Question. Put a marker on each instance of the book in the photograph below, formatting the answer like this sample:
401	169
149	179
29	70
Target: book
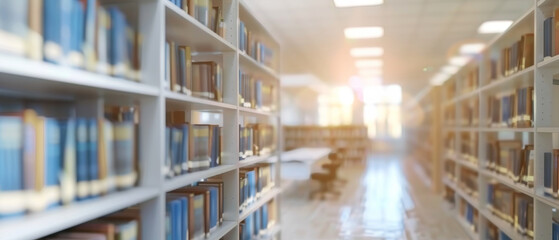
15	26
555	31
200	146
185	69
82	166
93	158
217	183
528	169
547	37
11	171
548	172
35	35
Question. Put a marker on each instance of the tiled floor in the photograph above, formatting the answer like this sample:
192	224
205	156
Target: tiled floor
382	199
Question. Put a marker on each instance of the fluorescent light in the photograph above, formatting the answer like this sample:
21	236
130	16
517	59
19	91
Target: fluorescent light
374	63
355	3
439	79
494	26
372	72
450	69
472	48
366	52
363	32
459	61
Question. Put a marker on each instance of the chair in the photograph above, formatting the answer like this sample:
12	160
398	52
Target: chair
328	178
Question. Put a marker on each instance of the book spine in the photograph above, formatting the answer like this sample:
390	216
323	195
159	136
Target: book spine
93	157
184	148
35	35
12	196
75	57
68	176
102	42
53	160
82	159
108	181
124	136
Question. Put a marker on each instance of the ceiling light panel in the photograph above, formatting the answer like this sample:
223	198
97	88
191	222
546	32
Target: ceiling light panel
374	72
357	3
373	63
366	52
459	61
363	32
472	48
494	26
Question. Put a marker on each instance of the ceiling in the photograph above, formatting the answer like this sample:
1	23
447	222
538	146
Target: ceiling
417	34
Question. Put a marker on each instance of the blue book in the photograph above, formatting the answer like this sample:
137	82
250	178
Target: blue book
249	228
176	137
66	29
264	214
547	173
14	23
251	177
184	217
555	230
93	157
90	32
124	135
214	201
53	160
82	159
258	93
176	218
168	221
490	194
11	168
470	214
257	222
117	42
75	54
52	31
184	148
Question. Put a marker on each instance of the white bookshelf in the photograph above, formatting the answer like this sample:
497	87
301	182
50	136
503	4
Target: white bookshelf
543	135
158	20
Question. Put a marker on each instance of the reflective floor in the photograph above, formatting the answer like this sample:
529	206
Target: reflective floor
382	199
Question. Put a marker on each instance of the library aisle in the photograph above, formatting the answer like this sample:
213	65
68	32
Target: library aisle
384	198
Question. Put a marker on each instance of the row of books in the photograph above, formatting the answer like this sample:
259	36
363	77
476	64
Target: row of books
75	33
200	79
190	147
449	115
256	140
513	207
515	109
194	212
550	32
469	147
471	80
254	47
470	214
208	12
258	224
449	169
48	161
517	57
510	158
122	225
357	132
254	182
254	93
449	194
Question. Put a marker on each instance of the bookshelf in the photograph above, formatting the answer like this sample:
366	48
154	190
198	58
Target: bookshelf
352	138
89	92
468	115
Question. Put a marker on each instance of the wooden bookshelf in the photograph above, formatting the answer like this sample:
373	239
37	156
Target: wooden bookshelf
352	138
458	95
158	20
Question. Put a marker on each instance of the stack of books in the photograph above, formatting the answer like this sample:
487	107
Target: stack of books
190	147
513	207
513	109
254	182
51	157
194	212
517	57
256	139
254	47
507	157
208	12
254	93
74	33
182	74
258	223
